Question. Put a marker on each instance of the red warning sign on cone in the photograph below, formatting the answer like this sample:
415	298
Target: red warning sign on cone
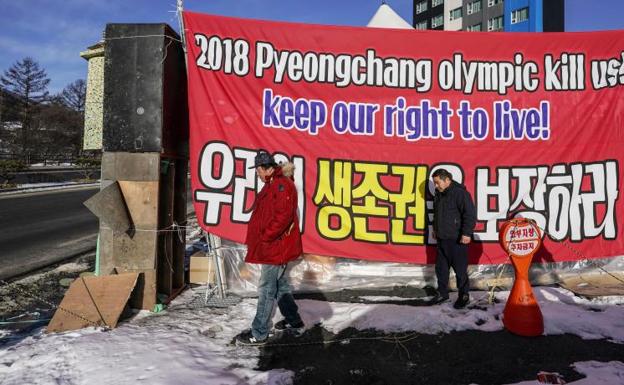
521	238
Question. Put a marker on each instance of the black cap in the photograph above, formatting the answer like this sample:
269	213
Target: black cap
263	158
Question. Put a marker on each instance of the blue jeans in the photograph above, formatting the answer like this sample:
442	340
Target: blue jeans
273	285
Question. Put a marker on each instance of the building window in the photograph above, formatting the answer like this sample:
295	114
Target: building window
435	3
422	25
474	7
474	28
519	15
495	24
437	21
492	3
421	7
456	13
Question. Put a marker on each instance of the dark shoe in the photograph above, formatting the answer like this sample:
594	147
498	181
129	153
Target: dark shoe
246	338
295	329
462	301
438	299
283	325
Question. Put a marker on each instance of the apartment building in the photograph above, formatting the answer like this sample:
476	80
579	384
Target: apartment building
490	15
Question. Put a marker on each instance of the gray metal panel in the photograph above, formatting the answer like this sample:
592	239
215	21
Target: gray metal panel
145	108
133	87
110	207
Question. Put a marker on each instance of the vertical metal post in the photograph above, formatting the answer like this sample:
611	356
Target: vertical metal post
180	9
215	250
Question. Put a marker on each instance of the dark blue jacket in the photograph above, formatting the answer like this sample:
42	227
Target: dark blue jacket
454	212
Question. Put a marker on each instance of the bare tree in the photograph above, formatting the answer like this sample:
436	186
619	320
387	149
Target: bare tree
59	132
29	82
73	98
74	95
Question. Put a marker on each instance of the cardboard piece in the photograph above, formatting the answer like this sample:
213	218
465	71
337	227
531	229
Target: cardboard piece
142	201
595	285
93	301
200	268
110	207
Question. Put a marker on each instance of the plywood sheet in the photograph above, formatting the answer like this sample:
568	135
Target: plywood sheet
142	201
93	301
144	294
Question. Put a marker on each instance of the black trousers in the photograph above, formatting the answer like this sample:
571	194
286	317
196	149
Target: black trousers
452	254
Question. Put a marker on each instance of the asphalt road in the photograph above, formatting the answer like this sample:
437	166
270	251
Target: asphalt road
38	229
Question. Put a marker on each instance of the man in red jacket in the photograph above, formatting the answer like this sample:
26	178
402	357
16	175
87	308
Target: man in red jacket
273	240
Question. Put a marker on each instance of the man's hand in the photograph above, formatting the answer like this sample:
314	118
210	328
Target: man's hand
465	239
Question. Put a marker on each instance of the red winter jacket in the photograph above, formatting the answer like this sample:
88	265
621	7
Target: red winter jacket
273	235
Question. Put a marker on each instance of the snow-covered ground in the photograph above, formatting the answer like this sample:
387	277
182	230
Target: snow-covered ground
190	345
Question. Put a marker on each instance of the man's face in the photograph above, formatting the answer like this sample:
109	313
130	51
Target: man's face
264	174
440	183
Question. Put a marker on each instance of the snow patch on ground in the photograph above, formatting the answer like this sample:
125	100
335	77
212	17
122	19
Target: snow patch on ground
566	313
37	187
598	373
72	267
186	345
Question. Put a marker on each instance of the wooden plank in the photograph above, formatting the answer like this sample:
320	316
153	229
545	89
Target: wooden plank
144	294
142	201
166	239
179	215
93	301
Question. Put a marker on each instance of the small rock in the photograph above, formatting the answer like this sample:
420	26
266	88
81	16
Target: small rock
65	282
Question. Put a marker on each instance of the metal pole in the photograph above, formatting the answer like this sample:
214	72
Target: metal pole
180	9
220	267
215	250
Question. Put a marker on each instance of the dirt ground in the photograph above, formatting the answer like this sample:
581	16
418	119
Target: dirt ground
28	302
469	357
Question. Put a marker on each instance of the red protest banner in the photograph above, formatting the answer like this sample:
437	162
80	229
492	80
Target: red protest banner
530	123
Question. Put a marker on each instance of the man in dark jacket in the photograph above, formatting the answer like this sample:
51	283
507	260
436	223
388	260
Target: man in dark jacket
273	240
454	220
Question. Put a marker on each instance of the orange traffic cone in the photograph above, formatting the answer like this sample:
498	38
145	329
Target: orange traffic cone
521	239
